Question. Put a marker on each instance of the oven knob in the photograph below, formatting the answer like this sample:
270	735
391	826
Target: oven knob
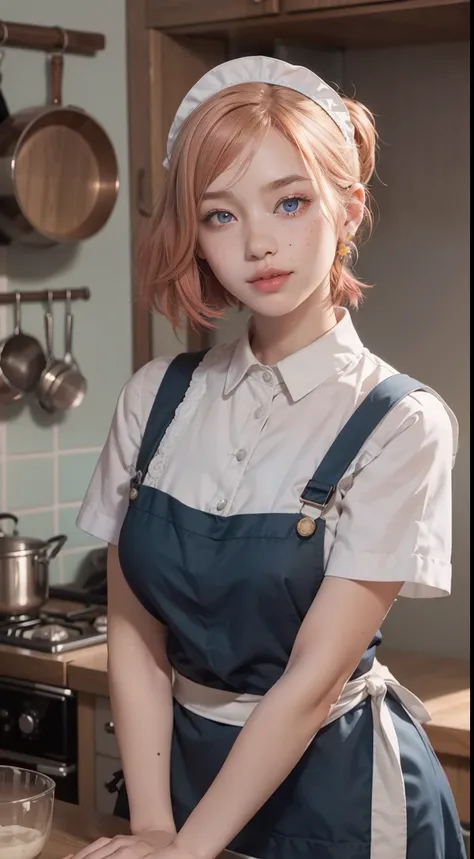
28	723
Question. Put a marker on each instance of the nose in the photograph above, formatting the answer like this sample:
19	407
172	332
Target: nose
259	242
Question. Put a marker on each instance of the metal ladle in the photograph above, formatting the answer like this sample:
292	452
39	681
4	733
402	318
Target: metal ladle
22	359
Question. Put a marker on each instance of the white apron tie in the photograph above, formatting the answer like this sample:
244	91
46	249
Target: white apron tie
389	814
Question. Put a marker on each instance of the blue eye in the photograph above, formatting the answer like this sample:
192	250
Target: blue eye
291	204
223	217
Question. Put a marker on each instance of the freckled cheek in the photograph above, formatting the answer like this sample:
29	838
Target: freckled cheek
221	252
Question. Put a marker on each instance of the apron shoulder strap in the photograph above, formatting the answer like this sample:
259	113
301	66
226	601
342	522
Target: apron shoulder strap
170	394
360	426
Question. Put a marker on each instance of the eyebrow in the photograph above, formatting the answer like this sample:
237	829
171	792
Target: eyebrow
272	186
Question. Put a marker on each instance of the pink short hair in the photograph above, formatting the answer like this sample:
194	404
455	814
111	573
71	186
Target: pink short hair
211	139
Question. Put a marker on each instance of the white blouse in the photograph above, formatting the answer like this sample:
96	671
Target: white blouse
247	438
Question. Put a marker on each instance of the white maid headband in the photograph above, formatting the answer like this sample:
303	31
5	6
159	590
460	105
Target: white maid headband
262	70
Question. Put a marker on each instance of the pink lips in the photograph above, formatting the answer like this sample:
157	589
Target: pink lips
270	281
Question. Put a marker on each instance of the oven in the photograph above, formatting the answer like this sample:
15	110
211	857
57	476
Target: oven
38	731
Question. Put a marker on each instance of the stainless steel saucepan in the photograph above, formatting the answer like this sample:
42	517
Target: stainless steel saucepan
62	385
22	359
24	568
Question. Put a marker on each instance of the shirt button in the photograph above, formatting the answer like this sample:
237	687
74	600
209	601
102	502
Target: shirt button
221	504
241	454
267	376
258	413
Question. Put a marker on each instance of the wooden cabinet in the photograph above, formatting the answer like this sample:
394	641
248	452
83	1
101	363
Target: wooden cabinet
104	772
107	760
179	13
318	5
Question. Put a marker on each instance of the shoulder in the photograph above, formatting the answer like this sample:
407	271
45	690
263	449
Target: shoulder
423	416
139	392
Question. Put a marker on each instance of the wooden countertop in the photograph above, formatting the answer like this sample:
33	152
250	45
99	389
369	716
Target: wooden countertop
88	672
442	684
20	663
75	827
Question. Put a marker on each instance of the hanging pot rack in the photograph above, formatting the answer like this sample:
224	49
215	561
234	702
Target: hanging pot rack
49	39
40	295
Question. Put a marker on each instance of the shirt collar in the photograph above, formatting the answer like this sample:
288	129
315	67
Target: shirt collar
304	370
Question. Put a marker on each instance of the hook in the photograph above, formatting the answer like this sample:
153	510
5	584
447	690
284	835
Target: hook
65	37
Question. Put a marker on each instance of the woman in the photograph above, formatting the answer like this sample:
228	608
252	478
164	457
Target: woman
265	503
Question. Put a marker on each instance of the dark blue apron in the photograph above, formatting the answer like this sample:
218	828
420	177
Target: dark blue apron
233	592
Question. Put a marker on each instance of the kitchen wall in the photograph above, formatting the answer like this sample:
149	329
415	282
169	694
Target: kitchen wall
416	316
45	464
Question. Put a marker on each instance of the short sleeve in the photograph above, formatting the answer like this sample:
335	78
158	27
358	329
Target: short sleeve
395	520
106	501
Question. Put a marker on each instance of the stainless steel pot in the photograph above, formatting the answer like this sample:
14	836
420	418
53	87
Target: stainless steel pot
24	567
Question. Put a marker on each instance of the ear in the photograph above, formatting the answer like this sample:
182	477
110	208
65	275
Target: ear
354	211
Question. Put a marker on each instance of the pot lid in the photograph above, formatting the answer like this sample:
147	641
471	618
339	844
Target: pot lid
11	547
13	544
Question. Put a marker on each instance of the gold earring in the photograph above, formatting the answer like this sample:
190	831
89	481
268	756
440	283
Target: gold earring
344	249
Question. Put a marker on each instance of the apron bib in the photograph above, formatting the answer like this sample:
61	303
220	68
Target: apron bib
233	592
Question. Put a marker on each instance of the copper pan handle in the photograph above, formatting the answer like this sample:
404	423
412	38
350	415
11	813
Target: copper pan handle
56	65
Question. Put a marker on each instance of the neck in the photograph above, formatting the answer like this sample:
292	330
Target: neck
275	337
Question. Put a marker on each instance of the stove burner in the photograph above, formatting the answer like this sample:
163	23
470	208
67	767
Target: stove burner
51	632
55	631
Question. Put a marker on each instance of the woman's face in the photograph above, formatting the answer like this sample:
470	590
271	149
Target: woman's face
265	233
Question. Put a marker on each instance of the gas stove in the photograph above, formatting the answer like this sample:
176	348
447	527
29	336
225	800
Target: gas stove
52	631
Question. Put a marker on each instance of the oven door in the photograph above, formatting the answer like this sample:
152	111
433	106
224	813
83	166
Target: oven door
64	775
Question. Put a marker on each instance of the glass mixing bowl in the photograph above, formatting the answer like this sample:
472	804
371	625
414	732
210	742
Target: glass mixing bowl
26	811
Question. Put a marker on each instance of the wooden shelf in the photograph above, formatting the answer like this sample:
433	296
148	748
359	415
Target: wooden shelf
385	24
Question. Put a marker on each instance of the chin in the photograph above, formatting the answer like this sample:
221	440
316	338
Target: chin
273	305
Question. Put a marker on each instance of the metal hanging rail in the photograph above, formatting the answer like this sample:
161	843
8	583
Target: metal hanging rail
39	295
49	39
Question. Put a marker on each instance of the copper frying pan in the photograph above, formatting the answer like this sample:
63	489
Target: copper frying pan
58	172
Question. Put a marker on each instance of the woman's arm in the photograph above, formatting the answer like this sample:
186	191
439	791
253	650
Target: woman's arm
140	691
333	637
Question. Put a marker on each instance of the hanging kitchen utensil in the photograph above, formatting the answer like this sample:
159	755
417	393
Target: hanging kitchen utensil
62	385
70	386
22	359
59	182
54	366
8	392
4	112
24	569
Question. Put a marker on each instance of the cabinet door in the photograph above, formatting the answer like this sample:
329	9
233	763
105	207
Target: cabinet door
314	5
104	771
105	742
178	13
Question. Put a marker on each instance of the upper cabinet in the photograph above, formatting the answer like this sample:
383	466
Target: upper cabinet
299	5
318	5
179	13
